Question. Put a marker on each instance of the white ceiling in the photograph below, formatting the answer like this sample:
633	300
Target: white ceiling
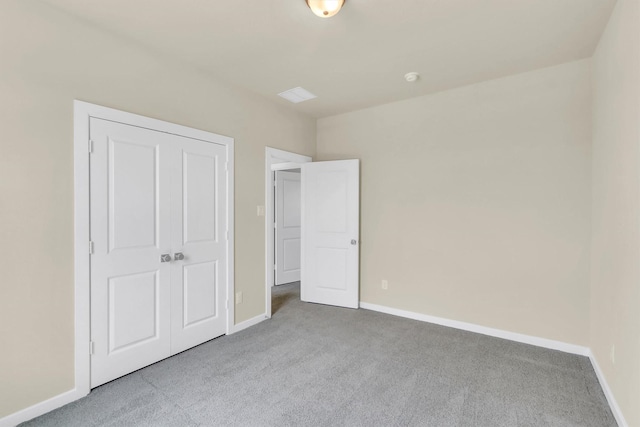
358	58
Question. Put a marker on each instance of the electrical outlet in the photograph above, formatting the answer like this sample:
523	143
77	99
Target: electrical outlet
613	354
238	298
260	210
385	284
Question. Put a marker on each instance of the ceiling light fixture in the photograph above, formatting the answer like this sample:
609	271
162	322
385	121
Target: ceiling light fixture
325	8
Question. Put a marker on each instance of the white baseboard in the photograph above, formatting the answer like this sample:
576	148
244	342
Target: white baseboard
247	323
613	404
72	395
471	327
41	408
513	336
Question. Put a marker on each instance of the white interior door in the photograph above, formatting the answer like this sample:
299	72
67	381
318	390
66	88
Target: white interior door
154	194
287	227
330	232
130	229
198	280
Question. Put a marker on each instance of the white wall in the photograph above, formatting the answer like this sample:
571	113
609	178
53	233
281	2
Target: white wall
475	202
48	59
615	271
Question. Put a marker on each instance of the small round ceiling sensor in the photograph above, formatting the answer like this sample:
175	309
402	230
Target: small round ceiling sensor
411	77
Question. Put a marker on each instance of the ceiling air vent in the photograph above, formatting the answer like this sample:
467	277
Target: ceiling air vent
297	94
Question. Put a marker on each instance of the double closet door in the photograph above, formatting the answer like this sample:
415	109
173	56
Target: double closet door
159	235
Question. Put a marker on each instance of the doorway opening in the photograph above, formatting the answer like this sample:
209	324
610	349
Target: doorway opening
279	160
329	219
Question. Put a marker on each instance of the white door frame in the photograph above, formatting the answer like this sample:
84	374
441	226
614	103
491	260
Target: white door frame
83	111
273	156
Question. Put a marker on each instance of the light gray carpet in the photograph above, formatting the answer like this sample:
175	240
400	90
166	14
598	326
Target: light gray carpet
325	366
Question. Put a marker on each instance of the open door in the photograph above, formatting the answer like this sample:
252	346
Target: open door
330	232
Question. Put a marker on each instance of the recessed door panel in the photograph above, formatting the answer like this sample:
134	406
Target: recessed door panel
133	190
200	285
133	310
331	214
291	201
199	194
331	265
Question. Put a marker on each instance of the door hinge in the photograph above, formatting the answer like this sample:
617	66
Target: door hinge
275	267
92	348
91	146
227	234
275	225
91	247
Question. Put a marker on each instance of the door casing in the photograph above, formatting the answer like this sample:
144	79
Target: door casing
82	261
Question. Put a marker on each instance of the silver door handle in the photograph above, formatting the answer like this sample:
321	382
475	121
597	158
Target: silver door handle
354	241
165	258
179	256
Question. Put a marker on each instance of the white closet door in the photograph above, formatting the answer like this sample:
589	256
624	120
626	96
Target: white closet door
130	229
330	230
287	227
154	194
198	302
